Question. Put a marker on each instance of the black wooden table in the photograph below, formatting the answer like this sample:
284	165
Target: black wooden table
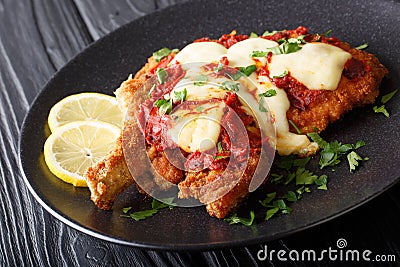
36	39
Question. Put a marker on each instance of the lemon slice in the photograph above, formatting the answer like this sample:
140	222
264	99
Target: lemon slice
85	107
75	146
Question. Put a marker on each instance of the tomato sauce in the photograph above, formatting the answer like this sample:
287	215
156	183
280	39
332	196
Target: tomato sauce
355	68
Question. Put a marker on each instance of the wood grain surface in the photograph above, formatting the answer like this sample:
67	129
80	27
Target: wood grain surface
37	38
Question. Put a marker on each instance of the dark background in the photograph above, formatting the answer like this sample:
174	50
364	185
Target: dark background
37	38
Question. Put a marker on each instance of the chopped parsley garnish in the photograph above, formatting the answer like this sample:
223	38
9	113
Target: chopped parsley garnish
165	203
234	219
248	70
257	53
332	152
200	80
253	35
261	105
353	158
321	182
382	109
141	215
290	196
163	52
277	205
161	75
281	75
230	86
164	105
286	47
327	33
268	199
388	96
144	214
361	47
268	33
219	147
181	95
305	177
269	93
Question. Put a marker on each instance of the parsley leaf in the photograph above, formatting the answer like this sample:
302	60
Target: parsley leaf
290	196
258	53
165	106
165	203
141	215
318	139
125	210
285	48
261	105
276	206
388	96
181	95
268	33
281	75
219	146
253	35
234	219
200	80
353	159
361	47
160	54
322	182
331	152
270	213
286	162
301	162
304	176
276	178
382	109
161	75
230	86
269	93
248	70
268	199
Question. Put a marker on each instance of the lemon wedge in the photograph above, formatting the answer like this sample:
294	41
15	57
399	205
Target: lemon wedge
85	107
75	146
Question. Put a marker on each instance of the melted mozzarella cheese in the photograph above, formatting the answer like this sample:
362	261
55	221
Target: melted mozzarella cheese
200	52
318	66
198	131
239	53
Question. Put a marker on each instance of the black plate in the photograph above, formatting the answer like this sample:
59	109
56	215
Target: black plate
106	63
